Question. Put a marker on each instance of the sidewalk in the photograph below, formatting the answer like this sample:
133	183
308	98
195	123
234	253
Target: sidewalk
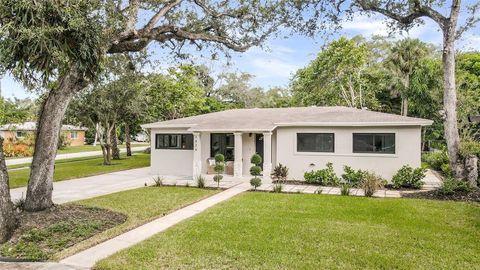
89	257
17	161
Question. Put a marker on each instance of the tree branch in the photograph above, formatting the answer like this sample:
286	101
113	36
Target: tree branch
132	16
155	18
416	11
208	28
212	12
471	20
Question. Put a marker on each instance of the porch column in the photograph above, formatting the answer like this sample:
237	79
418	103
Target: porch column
238	162
197	154
267	155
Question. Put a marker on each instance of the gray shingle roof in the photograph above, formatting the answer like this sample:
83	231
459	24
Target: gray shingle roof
269	118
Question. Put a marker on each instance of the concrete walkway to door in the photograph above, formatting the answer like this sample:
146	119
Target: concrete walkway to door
88	258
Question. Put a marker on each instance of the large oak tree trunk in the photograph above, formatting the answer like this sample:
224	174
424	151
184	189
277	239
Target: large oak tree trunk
115	149
450	101
40	185
8	221
127	140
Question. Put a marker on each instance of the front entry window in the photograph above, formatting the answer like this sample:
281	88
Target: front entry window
222	143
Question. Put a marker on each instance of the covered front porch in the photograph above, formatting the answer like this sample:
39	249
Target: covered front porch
237	147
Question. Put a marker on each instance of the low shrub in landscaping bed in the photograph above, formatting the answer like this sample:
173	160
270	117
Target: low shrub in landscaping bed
408	177
324	177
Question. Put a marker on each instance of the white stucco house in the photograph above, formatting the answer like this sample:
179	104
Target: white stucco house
303	139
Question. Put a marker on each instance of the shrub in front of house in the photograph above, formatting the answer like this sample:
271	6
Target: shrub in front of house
277	187
158	181
324	177
451	185
345	189
219	168
255	182
408	177
353	177
280	173
200	181
371	183
438	161
469	147
17	150
63	141
255	171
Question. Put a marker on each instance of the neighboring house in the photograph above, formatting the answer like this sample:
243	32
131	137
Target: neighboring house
141	137
76	135
303	139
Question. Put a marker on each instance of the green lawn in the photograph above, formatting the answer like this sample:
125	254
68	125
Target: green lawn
292	231
140	205
86	148
82	167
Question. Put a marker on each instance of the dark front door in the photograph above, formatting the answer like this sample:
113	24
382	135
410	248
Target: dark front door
259	146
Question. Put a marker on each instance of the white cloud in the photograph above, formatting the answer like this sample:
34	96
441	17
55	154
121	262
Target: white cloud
366	26
272	67
377	25
469	42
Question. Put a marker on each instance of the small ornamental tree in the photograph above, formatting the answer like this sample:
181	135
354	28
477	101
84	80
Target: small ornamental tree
255	170
219	167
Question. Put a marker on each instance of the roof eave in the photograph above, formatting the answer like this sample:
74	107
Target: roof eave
354	124
155	125
232	130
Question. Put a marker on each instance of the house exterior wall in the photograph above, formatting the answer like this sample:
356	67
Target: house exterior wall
205	138
179	162
80	140
407	151
174	162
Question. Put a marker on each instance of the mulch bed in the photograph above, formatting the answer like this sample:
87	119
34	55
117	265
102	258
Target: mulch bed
42	234
472	196
295	182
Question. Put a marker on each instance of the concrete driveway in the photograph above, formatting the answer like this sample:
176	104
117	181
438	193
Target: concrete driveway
89	187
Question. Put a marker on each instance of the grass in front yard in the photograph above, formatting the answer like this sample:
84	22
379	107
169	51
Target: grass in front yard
140	206
82	167
293	231
87	148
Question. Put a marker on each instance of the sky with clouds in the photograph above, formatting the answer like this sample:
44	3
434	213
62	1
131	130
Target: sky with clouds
275	65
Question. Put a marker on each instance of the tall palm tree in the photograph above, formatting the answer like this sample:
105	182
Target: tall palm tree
403	58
